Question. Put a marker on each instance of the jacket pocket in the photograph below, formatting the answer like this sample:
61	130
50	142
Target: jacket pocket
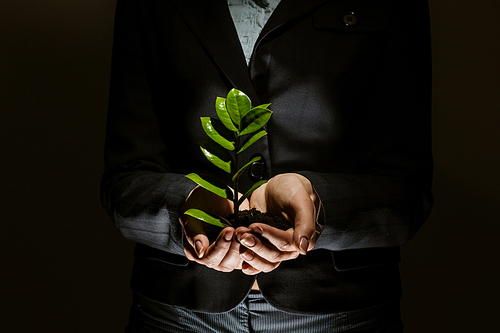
363	258
355	16
146	252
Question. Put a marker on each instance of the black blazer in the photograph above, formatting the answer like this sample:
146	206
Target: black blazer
349	82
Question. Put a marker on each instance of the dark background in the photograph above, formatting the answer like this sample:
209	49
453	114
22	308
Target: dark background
63	266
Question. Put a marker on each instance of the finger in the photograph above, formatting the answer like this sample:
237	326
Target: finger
231	259
195	235
189	250
249	270
305	227
218	250
253	263
265	251
305	217
281	239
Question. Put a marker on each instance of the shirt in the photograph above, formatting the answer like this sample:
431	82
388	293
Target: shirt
249	18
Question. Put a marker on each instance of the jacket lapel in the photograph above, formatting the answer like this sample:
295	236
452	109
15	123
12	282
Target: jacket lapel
211	22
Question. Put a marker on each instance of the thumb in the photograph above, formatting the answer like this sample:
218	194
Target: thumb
304	234
195	236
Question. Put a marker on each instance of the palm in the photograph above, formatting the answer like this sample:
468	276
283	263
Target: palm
284	195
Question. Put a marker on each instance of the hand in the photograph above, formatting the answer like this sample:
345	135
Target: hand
223	255
291	196
265	247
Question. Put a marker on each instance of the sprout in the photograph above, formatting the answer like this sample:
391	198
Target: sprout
237	119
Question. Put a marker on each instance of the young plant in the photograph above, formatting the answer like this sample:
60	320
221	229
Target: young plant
239	126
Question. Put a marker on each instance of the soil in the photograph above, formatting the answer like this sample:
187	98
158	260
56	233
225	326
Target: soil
247	217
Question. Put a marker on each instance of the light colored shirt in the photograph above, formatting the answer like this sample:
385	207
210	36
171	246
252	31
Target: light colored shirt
249	19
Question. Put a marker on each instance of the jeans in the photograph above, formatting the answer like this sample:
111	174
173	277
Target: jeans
255	315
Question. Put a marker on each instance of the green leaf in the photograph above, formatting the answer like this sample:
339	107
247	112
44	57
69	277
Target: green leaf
217	155
237	103
217	132
208	217
220	108
238	174
262	106
255	120
251	140
212	184
250	191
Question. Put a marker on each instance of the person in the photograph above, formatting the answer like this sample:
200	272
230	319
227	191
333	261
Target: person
348	158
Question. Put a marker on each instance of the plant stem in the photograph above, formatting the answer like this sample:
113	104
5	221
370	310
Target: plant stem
235	184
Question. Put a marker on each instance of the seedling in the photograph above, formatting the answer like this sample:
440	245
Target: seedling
239	125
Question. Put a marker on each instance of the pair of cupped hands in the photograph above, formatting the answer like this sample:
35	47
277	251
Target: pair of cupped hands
260	247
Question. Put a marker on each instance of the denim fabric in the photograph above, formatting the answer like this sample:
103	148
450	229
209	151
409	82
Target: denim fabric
255	315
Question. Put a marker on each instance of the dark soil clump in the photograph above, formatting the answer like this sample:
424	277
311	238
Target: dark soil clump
247	217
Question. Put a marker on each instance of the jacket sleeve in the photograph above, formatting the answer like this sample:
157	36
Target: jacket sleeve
138	191
385	200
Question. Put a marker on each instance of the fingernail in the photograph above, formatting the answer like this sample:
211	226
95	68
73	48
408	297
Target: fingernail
199	248
248	241
304	244
228	236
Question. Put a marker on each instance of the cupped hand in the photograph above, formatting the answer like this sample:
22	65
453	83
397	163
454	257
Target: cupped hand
292	197
224	253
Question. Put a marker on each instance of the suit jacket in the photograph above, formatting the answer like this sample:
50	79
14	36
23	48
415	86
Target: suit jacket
349	82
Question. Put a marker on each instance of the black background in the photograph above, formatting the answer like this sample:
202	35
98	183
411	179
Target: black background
64	267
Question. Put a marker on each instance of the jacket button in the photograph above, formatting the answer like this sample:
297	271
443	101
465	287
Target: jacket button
257	170
350	19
